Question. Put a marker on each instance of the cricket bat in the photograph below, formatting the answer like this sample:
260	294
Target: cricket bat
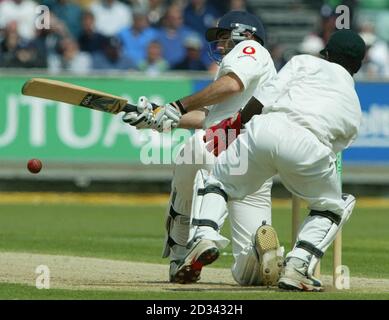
76	95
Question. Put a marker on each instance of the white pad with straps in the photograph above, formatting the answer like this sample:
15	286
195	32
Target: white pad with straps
177	230
317	233
209	211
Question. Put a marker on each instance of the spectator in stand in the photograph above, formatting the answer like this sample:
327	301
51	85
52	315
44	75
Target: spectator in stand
199	16
315	40
327	23
16	52
312	45
47	40
156	10
221	6
71	59
111	57
136	39
111	16
236	5
154	64
89	40
377	12
68	12
376	63
173	34
21	11
192	60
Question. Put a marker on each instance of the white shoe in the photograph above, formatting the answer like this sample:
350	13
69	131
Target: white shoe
294	277
271	255
202	253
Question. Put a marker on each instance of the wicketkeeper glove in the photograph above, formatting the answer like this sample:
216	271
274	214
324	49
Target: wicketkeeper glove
168	116
143	118
220	136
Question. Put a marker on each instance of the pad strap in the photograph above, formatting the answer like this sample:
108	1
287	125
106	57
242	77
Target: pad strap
310	248
205	223
181	219
335	218
171	242
213	189
173	213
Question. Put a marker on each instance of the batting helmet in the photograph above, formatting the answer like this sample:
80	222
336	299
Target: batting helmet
238	22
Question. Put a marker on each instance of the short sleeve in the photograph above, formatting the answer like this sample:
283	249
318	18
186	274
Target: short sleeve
247	61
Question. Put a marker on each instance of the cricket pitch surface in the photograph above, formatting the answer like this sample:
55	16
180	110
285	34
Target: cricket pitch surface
80	273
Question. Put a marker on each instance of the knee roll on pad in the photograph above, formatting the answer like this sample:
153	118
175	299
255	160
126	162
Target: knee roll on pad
337	221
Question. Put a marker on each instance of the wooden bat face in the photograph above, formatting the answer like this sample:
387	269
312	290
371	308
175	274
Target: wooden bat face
76	95
101	103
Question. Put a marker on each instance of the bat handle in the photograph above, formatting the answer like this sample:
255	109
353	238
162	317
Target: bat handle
132	108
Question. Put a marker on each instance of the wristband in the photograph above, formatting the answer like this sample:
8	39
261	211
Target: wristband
178	105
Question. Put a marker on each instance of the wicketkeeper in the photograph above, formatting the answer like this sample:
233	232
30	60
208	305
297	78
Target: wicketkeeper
302	118
244	65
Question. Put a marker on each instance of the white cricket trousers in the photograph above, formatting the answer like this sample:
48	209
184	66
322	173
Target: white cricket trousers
246	214
273	144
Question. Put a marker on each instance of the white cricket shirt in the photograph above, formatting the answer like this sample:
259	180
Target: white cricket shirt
253	65
318	95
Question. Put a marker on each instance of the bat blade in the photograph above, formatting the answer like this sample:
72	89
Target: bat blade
76	95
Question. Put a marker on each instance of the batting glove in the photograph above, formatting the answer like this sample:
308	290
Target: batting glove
168	116
220	136
143	118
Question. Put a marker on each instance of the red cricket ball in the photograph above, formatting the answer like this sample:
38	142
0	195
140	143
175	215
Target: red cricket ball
34	165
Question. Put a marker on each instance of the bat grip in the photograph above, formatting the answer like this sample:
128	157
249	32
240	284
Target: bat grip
130	108
133	108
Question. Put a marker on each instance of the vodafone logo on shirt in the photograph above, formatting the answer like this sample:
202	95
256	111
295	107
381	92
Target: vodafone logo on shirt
249	50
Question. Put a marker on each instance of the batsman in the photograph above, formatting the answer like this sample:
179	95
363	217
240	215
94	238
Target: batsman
299	122
237	44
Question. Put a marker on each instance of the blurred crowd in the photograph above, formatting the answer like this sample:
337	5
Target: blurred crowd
371	26
152	36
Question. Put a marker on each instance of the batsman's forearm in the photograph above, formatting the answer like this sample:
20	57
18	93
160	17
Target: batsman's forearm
252	108
193	119
217	92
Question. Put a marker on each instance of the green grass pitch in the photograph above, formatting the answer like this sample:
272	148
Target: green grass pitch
136	233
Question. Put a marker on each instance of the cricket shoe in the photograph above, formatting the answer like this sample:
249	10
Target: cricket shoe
202	253
294	277
271	255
